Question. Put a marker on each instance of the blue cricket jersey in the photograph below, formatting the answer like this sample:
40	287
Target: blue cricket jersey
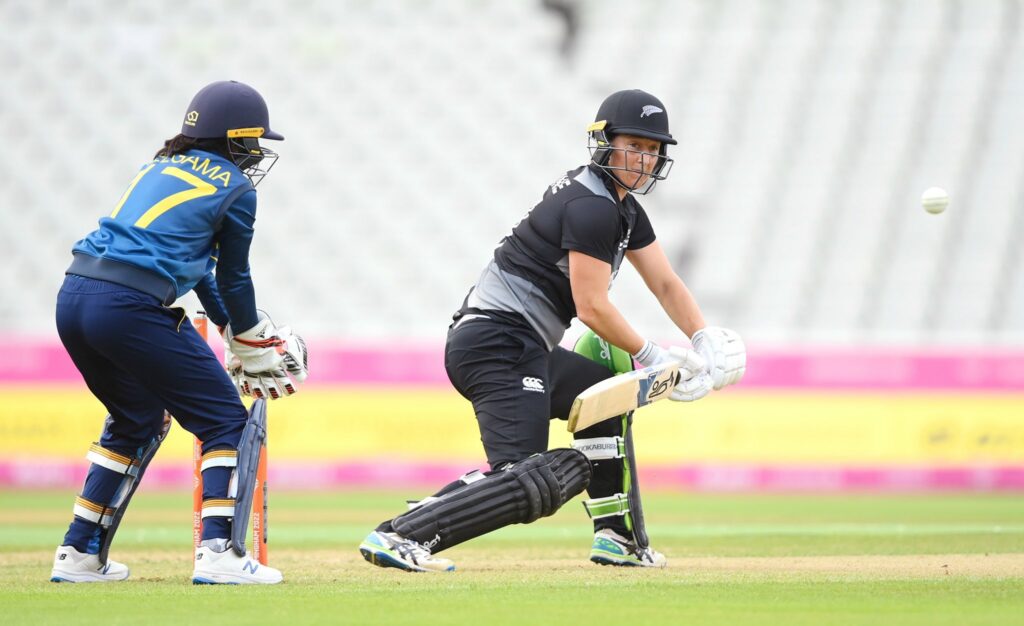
180	217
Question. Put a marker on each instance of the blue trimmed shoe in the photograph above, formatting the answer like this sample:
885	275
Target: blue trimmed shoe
72	566
611	548
392	550
227	568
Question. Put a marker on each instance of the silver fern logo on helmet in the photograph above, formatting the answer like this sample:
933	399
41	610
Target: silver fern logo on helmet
650	110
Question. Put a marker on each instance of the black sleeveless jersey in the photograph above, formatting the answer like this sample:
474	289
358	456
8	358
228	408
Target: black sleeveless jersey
529	274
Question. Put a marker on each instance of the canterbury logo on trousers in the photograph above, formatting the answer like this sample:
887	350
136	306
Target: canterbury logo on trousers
533	384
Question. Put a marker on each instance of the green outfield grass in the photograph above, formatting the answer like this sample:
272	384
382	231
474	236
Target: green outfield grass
733	559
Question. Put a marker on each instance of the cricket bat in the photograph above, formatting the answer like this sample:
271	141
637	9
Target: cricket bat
623	393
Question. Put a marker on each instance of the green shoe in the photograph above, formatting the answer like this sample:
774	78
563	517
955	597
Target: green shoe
392	550
611	548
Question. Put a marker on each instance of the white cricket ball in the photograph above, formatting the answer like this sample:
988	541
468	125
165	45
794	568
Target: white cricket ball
935	200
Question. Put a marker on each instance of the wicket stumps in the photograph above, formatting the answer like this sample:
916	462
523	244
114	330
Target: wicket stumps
259	501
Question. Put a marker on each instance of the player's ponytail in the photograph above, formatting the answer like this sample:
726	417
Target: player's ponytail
180	143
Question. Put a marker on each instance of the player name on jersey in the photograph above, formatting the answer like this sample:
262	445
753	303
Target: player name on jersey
203	167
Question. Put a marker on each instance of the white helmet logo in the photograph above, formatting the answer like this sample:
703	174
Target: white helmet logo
650	110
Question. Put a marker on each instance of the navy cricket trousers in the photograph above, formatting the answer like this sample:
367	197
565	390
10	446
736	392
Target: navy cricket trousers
139	358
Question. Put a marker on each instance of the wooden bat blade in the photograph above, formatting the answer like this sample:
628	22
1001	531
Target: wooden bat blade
621	394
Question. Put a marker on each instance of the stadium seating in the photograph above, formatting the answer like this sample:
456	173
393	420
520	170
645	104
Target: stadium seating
418	133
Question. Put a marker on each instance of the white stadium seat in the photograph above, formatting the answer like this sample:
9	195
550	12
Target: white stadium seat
418	133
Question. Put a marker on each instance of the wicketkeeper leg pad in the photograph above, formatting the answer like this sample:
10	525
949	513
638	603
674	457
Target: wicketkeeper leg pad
133	469
519	494
218	467
254	436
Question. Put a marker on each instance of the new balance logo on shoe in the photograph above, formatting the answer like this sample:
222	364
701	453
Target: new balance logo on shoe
250	566
533	384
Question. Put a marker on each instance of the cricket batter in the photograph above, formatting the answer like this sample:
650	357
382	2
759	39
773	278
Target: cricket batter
502	354
189	210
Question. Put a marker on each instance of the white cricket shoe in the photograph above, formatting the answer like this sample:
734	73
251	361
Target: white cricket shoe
393	550
72	566
611	548
227	568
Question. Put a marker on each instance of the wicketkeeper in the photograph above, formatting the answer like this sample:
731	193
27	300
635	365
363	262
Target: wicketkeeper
186	213
502	354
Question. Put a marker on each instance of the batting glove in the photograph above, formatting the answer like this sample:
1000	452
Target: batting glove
724	352
652	354
694	381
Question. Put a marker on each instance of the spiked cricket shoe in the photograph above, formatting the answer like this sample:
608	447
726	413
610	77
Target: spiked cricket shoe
72	566
392	550
227	568
611	548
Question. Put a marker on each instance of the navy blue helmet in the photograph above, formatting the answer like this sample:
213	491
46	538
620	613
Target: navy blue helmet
228	108
236	113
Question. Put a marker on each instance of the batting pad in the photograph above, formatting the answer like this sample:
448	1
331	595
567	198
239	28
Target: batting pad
524	492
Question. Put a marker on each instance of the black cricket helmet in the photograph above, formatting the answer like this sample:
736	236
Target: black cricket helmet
631	112
235	112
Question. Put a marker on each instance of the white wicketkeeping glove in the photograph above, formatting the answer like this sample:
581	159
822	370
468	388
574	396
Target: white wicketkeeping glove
232	364
260	360
724	352
296	357
694	381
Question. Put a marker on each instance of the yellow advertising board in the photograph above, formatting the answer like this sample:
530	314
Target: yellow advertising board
335	423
